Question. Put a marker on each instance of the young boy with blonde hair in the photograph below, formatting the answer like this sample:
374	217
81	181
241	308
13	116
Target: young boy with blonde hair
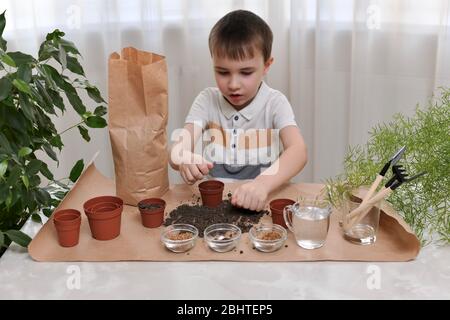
243	119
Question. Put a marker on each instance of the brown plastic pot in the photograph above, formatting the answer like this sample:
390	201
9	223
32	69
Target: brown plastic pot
276	208
211	192
106	207
102	199
152	217
104	214
67	223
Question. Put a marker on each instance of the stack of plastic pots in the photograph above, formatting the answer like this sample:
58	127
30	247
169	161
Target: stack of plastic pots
104	214
67	223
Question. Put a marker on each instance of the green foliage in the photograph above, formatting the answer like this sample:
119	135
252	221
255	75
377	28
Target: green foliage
76	171
424	203
32	90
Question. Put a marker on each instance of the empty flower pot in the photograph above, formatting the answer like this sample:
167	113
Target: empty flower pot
106	207
102	199
276	208
211	192
104	214
67	223
152	212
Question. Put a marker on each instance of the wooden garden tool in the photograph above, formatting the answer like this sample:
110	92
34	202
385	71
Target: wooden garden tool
382	173
396	181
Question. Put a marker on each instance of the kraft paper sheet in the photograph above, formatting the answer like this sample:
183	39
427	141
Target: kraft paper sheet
395	241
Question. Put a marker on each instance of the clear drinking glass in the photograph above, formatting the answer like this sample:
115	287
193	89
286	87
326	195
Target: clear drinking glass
361	229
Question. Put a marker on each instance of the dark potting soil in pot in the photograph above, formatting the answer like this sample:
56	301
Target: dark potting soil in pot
149	206
201	216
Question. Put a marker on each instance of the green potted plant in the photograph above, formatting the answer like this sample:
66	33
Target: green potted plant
425	203
32	91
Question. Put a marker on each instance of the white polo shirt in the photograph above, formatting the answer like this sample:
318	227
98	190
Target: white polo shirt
241	143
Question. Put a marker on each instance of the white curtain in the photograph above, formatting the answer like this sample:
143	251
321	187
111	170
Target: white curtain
345	65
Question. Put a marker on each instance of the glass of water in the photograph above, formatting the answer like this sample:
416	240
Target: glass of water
309	221
363	228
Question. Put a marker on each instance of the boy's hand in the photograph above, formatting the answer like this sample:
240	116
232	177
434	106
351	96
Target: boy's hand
251	196
191	172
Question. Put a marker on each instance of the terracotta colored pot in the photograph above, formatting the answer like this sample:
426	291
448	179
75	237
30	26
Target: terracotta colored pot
104	214
276	208
67	223
211	192
102	199
106	207
152	217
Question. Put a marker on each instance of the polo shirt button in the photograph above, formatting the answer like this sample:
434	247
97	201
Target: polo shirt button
233	145
236	118
234	131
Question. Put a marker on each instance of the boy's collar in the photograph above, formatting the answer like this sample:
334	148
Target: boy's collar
249	111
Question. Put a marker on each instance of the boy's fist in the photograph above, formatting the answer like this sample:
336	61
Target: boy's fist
191	172
251	196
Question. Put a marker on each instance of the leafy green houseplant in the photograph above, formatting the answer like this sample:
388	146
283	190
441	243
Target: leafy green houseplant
31	92
425	203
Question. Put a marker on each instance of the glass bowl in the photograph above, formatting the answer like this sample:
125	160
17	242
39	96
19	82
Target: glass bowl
179	237
267	237
222	237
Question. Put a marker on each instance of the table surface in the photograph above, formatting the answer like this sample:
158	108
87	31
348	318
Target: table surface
427	277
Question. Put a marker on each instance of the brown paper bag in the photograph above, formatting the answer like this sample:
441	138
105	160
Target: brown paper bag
137	123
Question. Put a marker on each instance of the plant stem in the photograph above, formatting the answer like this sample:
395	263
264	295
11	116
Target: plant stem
59	180
75	125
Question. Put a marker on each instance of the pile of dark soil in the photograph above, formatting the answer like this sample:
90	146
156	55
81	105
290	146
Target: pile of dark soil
149	206
201	216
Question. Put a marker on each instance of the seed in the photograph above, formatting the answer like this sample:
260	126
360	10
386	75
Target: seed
180	235
269	235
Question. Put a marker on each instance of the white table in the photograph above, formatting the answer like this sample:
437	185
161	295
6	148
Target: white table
428	277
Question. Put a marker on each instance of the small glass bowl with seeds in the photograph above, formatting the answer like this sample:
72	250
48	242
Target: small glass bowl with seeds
222	237
179	237
267	237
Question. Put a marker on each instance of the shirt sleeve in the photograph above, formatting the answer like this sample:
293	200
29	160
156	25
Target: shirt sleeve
198	114
283	115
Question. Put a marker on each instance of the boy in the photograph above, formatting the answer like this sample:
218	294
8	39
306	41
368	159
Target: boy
243	115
